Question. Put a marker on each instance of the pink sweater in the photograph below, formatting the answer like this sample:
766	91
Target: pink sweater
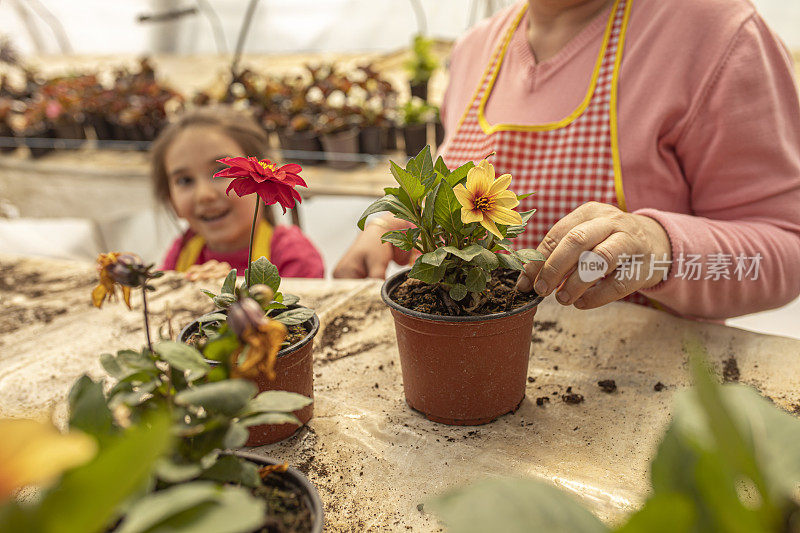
709	133
290	250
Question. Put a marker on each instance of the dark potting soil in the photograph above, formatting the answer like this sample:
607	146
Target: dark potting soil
287	511
541	400
573	398
658	387
294	335
500	296
730	370
607	385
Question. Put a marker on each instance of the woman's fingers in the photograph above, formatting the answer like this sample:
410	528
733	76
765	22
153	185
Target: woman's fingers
610	250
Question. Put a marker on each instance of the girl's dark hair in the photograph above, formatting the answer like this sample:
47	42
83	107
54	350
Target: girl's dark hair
238	125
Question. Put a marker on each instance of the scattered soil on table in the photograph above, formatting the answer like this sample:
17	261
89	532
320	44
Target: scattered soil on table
531	379
730	370
546	325
344	326
607	385
796	409
500	296
658	387
541	400
572	398
287	511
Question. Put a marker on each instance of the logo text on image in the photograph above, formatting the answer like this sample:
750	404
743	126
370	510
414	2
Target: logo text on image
591	267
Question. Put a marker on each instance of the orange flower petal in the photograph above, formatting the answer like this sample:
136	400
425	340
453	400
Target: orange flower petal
470	215
478	181
500	184
464	197
126	296
506	199
505	216
491	228
99	295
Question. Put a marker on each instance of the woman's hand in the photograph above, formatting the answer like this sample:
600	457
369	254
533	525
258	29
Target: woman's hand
209	270
368	257
612	234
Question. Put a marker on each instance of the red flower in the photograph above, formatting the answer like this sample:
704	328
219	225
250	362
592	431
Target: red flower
274	185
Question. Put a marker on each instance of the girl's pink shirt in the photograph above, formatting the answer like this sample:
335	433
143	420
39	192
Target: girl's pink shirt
709	134
291	251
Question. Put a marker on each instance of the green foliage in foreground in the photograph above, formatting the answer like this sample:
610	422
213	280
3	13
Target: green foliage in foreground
729	461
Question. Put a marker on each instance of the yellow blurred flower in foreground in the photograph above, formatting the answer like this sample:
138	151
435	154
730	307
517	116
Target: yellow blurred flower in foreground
33	452
487	200
106	283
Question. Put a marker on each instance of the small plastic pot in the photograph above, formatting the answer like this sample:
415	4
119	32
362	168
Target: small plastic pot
294	372
462	370
415	137
296	478
372	139
301	141
438	128
391	137
419	90
344	142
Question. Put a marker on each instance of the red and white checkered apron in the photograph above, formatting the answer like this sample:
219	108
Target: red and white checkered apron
565	164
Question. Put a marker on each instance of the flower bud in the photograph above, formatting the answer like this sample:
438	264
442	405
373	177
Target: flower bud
128	270
262	294
245	315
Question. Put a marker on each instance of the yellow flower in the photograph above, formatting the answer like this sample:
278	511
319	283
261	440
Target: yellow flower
34	453
487	200
106	283
262	336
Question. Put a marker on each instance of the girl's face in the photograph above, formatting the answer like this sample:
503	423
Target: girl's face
191	161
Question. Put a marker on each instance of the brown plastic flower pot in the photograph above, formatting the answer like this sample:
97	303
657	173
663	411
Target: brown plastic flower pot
420	90
462	370
340	147
415	137
294	372
372	139
301	141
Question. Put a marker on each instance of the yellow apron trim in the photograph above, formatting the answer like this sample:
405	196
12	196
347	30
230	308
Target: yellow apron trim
614	127
488	128
191	250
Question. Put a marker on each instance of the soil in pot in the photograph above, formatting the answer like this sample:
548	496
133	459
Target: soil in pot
293	503
294	370
432	299
459	367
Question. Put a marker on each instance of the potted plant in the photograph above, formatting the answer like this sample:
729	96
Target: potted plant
414	117
210	405
293	367
420	66
463	330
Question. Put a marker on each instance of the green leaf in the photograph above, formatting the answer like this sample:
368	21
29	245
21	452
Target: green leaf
517	229
213	317
429	207
277	401
112	366
219	347
136	361
265	273
421	166
234	470
223	301
208	293
441	167
408	182
467	254
521	197
88	410
293	317
458	292
529	254
513	506
509	261
226	397
476	281
88	497
425	272
229	285
387	203
403	197
271	418
403	239
197	507
485	260
459	174
290	299
435	257
172	472
183	357
236	436
665	513
447	211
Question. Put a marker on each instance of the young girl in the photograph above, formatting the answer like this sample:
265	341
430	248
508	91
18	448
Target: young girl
184	159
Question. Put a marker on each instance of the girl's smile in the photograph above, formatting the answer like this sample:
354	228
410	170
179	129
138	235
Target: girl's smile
191	160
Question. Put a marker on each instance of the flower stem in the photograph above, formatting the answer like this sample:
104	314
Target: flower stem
250	250
146	323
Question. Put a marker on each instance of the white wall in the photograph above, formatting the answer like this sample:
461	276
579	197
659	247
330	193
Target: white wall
109	26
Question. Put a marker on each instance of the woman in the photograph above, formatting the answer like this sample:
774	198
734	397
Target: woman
662	136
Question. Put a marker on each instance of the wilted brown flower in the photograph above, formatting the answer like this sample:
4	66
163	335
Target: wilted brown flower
261	336
106	285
